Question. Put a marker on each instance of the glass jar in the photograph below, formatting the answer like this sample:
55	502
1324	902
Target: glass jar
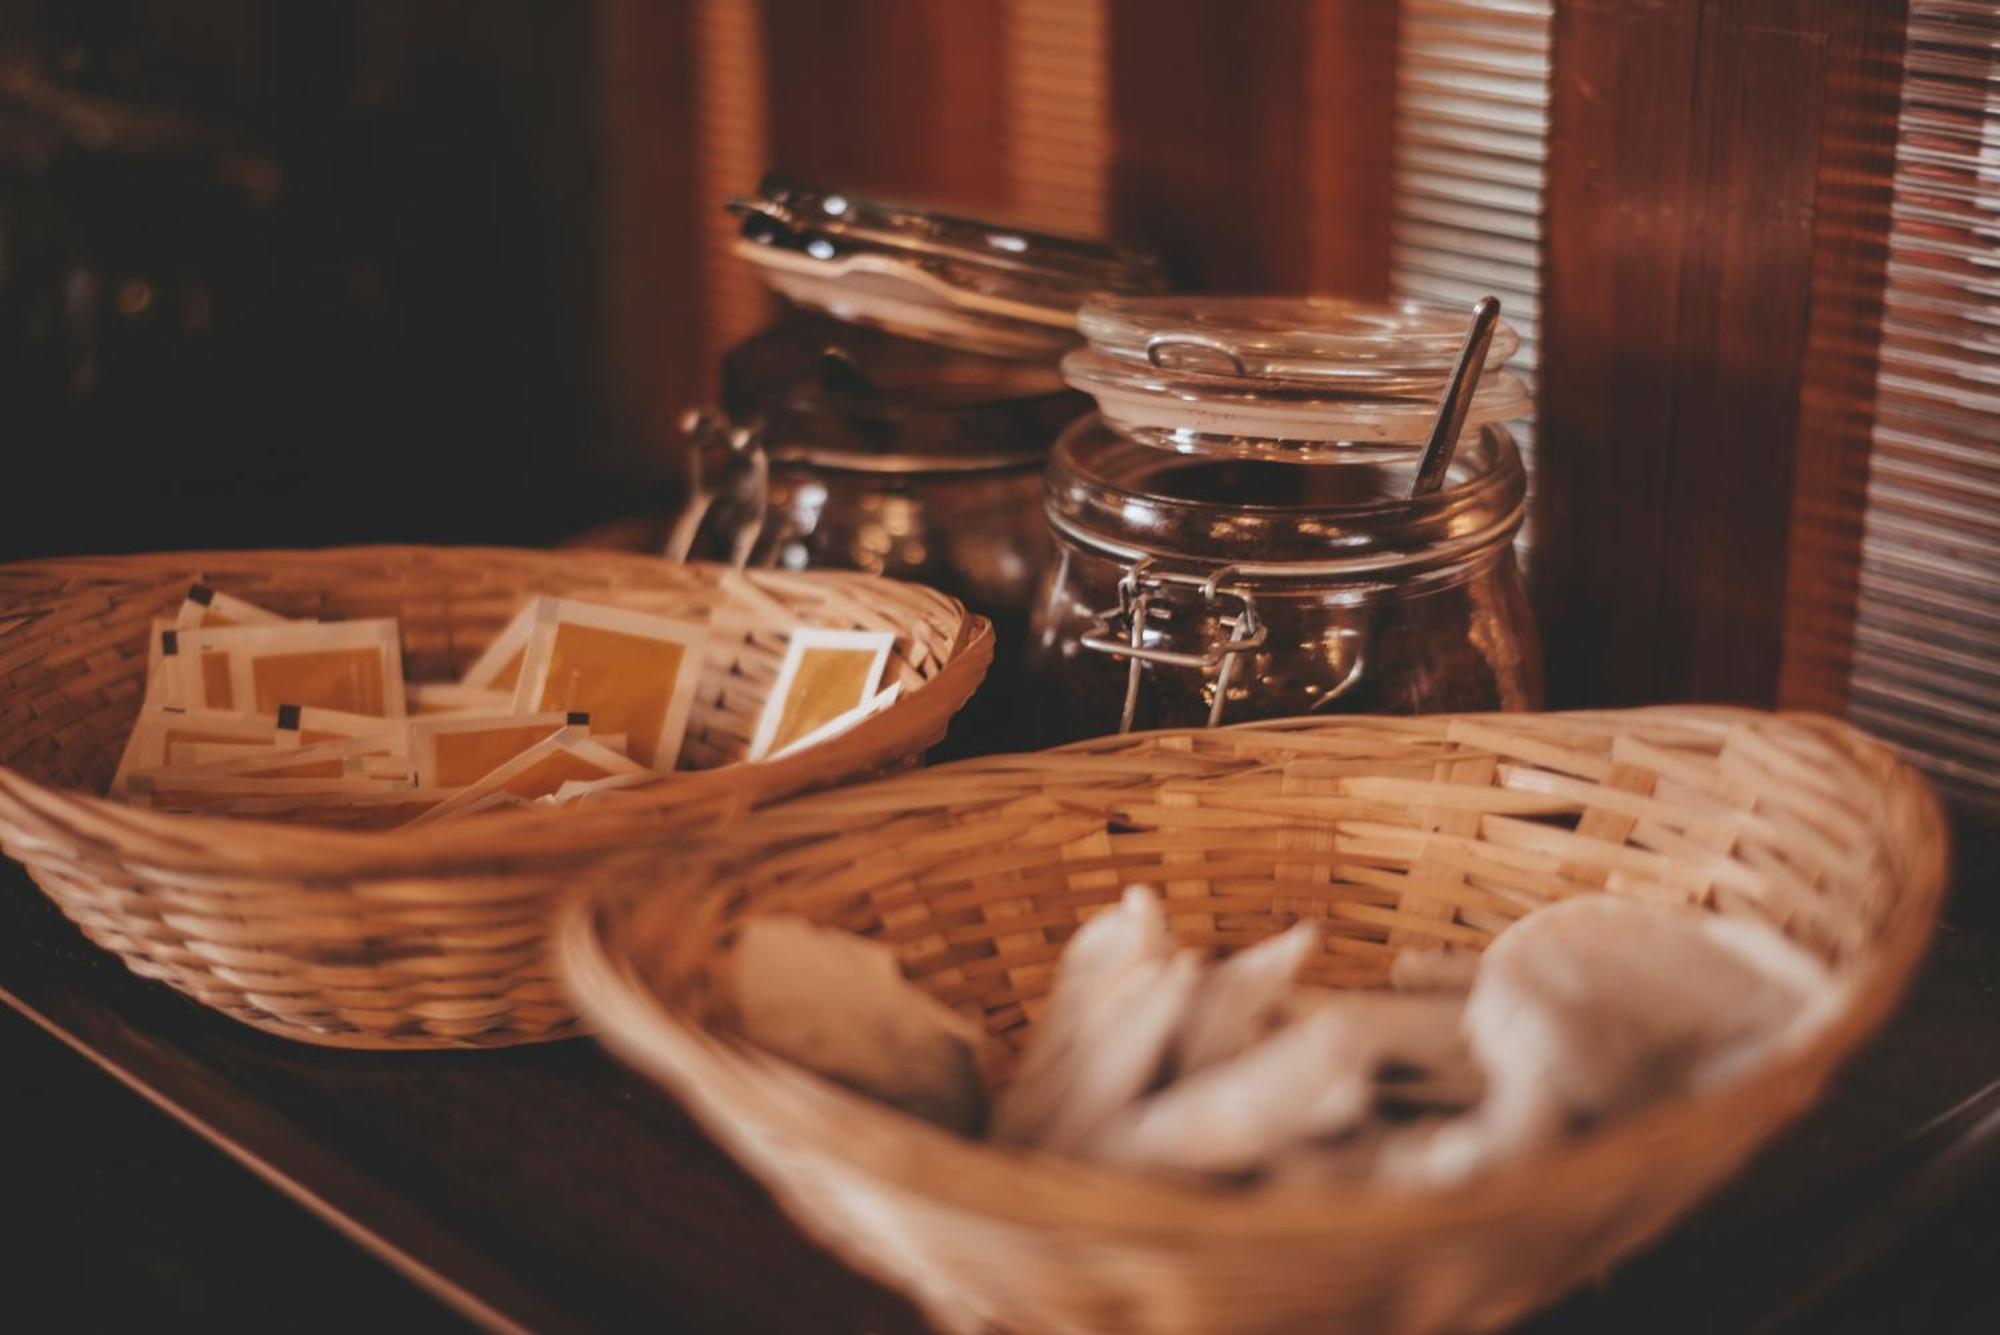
898	418
1236	532
897	457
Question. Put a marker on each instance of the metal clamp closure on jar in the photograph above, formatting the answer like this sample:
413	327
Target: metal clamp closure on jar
739	491
1121	631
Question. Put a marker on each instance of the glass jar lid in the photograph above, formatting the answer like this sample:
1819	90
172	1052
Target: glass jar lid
1300	378
980	286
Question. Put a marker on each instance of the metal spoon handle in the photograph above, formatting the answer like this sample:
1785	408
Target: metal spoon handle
1458	392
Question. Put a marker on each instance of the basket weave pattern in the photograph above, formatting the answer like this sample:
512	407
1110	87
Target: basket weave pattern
429	938
1390	832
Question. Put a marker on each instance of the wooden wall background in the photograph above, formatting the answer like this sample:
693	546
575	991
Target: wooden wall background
497	271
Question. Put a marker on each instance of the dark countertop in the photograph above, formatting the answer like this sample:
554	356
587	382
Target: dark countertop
547	1189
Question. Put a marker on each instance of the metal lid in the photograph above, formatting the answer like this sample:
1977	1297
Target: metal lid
980	286
1300	378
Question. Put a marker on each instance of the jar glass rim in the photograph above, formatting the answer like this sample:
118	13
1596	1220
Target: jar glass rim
1104	489
1302	339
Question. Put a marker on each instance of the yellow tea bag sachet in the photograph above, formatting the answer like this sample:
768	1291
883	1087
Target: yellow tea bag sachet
498	668
825	674
833	727
450	697
204	606
159	729
543	768
347	758
352	666
452	751
633	673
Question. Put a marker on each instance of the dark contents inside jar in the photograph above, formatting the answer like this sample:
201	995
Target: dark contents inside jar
825	388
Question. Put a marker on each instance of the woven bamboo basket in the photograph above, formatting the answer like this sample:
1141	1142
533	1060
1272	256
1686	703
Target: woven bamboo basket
405	939
1392	833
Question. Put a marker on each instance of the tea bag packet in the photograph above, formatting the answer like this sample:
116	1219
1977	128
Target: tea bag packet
296	728
577	792
563	756
1412	1044
834	727
347	758
163	668
825	676
1242	999
233	794
1595	1006
1311	1079
498	667
1120	994
312	726
497	800
186	755
452	751
159	729
1422	1030
448	697
352	666
1418	970
384	808
838	1004
632	673
204	606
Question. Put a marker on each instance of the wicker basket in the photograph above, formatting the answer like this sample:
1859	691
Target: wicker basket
1392	832
419	939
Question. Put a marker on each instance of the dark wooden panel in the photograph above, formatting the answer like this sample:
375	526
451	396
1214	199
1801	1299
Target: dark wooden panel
1350	159
651	230
1622	107
900	97
1686	243
1837	399
1252	142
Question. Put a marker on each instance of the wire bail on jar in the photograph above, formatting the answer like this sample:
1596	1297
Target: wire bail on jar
1121	631
740	491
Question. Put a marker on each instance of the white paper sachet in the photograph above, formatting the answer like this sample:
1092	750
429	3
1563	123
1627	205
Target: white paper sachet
838	1004
1313	1078
1411	1031
1595	1006
1242	999
1114	996
1418	970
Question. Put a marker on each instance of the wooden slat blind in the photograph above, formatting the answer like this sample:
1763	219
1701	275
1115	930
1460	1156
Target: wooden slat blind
732	144
1472	125
1058	114
1926	666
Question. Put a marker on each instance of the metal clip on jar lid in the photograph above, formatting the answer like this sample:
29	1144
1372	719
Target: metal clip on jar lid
980	286
1305	379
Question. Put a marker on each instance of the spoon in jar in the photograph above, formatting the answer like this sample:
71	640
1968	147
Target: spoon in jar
1458	392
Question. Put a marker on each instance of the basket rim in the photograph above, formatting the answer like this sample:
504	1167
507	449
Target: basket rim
187	842
1030	1188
